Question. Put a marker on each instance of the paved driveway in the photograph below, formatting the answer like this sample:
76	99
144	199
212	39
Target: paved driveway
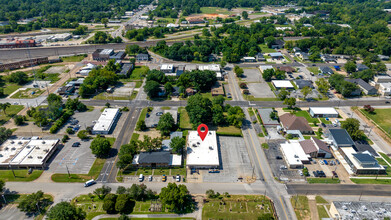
260	90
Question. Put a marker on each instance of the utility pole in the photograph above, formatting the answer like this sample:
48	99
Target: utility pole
12	170
69	175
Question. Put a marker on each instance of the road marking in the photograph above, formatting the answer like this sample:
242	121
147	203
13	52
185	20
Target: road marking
283	207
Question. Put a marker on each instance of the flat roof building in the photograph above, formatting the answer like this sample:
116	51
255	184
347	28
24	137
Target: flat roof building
27	153
361	163
106	121
279	84
167	68
323	112
157	159
294	154
202	154
359	210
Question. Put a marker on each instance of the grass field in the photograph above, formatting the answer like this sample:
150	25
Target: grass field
215	10
307	116
27	93
380	117
265	49
229	131
314	70
323	180
139	72
238	207
184	120
20	175
322	213
371	181
166	20
76	58
301	207
92	174
388	159
9	88
320	199
9	113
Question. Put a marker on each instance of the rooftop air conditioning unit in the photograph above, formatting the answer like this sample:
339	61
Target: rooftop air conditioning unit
30	157
12	142
37	148
13	148
43	142
210	148
19	142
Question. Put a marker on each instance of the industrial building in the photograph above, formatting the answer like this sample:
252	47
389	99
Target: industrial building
323	112
202	154
27	153
360	210
102	54
106	121
17	44
279	84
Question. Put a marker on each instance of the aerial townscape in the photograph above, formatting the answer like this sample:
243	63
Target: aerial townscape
184	109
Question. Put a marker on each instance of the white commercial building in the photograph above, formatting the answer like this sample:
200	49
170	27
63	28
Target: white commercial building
106	121
202	154
279	84
26	153
167	68
211	67
263	68
294	154
323	112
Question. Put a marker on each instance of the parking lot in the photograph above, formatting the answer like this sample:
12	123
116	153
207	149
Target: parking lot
318	164
251	75
278	165
85	119
11	212
78	159
260	90
234	160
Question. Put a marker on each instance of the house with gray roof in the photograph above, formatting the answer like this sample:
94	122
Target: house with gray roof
166	143
339	137
157	159
301	83
326	70
364	86
142	57
361	67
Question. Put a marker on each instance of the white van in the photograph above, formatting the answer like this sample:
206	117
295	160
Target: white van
141	178
89	183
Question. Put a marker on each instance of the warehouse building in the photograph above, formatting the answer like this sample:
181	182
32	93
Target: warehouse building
106	121
202	154
360	210
27	153
102	54
323	112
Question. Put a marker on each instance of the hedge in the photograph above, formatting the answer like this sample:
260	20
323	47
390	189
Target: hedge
61	121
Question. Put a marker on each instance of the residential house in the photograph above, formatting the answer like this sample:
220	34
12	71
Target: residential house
157	159
327	58
66	90
339	137
175	91
279	84
383	57
326	70
287	69
142	57
361	67
364	86
260	57
303	55
166	143
276	56
190	91
316	148
385	89
213	57
292	122
126	69
278	44
382	78
296	49
301	83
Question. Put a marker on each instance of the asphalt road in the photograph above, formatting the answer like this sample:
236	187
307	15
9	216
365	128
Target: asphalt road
109	170
339	189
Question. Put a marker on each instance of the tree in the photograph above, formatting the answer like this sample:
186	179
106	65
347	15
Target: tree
121	190
141	126
218	100
104	21
113	66
176	198
238	71
350	67
199	110
306	90
352	126
100	147
19	119
177	144
65	138
245	15
109	203
4	134
223	63
102	191
206	33
140	192
152	88
166	124
126	153
124	204
273	115
83	134
54	106
123	217
218	115
4	106
235	116
75	104
66	211
369	109
243	85
33	203
279	74
283	94
18	77
290	102
210	193
323	85
168	87
2	184
268	74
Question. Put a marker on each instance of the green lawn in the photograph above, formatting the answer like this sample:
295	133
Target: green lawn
135	136
385	157
307	116
371	181
139	72
229	131
325	121
20	175
28	93
301	207
92	174
166	20
76	58
265	49
323	180
9	113
380	117
184	120
322	213
320	199
314	70
238	207
271	86
9	88
215	10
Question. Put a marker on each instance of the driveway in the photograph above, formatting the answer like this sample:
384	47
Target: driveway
260	90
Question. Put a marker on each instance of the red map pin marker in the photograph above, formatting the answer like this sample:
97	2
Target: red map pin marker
202	134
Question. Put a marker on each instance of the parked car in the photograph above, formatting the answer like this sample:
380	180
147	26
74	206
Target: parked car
387	102
337	161
300	173
178	178
159	113
164	178
315	174
150	178
76	144
335	174
278	157
229	95
323	125
325	162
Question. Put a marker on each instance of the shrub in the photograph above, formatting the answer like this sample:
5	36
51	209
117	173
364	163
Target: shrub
19	119
61	121
83	134
65	138
70	131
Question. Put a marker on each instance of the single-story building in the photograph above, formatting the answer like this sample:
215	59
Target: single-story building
106	121
202	154
326	70
292	122
190	91
364	86
180	70
327	58
303	55
382	78
167	68
323	112
296	49
361	67
361	163
339	137
383	57
142	57
385	89
157	159
279	84
166	144
294	155
65	90
217	90
276	56
249	59
126	69
260	57
278	44
301	83
287	69
315	148
213	57
265	67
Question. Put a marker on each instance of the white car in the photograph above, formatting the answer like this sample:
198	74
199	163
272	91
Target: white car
178	178
321	162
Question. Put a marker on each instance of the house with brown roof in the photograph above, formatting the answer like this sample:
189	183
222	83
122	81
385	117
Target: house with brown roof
292	122
316	148
190	91
287	69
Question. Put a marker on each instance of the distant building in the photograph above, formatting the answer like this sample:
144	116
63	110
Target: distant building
278	44
326	70
302	55
106	121
276	56
382	78
296	49
359	210
217	90
18	44
142	57
180	70
361	67
364	86
190	91
118	56
213	58
102	54
126	69
339	137
66	90
192	20
323	112
301	83
327	58
287	69
260	57
249	59
167	68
